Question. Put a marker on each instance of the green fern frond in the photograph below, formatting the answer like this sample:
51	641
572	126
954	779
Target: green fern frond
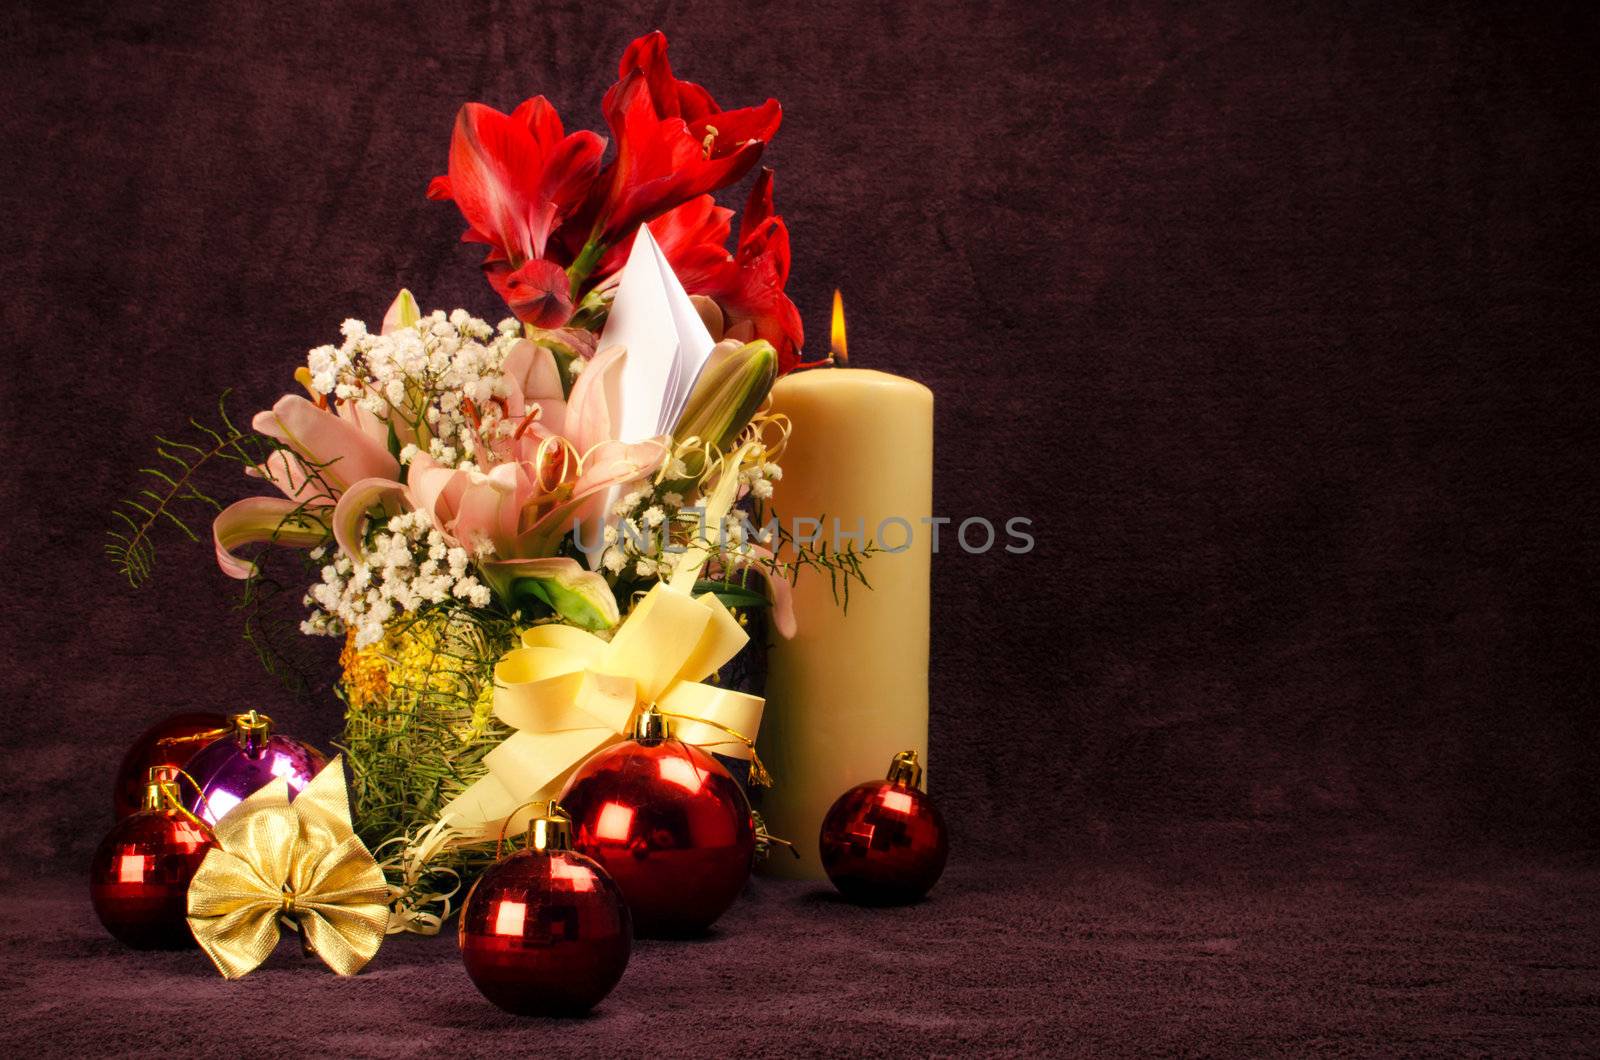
169	489
842	566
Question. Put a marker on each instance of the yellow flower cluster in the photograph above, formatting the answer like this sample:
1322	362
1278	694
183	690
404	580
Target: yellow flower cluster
421	659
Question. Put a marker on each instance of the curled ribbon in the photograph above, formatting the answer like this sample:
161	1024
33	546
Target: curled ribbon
297	860
567	693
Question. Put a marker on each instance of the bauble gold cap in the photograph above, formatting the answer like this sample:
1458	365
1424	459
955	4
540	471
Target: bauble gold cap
161	788
650	725
905	769
550	829
251	731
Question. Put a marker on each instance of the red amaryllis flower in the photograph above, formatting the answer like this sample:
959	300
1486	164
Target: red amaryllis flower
514	177
748	284
674	142
681	233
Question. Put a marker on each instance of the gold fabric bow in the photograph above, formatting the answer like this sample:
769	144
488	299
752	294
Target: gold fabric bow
568	693
299	861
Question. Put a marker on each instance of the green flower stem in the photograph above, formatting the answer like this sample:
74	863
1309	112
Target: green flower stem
586	261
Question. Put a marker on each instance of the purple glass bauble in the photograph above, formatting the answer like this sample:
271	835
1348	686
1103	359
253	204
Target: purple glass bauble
250	757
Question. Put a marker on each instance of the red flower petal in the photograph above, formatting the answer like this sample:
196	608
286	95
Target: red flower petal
667	151
515	176
539	292
681	231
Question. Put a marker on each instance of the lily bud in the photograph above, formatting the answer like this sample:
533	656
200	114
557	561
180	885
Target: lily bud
403	313
731	387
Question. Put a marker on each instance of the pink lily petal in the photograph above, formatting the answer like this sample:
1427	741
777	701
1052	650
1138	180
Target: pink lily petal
488	511
351	511
341	451
371	426
531	377
614	462
287	472
256	520
780	592
595	405
435	489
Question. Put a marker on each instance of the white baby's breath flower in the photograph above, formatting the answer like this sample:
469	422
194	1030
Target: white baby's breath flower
445	373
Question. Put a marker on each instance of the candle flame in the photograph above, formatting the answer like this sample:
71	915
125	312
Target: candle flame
840	354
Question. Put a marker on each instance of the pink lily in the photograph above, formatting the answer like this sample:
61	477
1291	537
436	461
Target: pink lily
534	399
512	508
516	510
342	451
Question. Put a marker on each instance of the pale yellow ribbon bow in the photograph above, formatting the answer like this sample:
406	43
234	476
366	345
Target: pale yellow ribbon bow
568	693
296	860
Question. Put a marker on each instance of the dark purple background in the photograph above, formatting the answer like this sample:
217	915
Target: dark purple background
1276	319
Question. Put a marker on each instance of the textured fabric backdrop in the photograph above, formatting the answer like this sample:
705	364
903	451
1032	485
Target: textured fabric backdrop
1276	319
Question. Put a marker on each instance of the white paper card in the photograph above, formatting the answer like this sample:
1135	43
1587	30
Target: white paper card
667	343
668	346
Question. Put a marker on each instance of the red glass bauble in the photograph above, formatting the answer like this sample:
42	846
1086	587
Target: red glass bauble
545	933
139	881
883	842
170	742
670	825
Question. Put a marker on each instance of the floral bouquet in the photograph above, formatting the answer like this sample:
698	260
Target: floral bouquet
456	483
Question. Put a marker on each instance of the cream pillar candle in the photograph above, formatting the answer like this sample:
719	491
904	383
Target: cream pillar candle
851	688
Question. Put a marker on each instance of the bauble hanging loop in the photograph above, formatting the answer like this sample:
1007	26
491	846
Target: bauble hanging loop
884	842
